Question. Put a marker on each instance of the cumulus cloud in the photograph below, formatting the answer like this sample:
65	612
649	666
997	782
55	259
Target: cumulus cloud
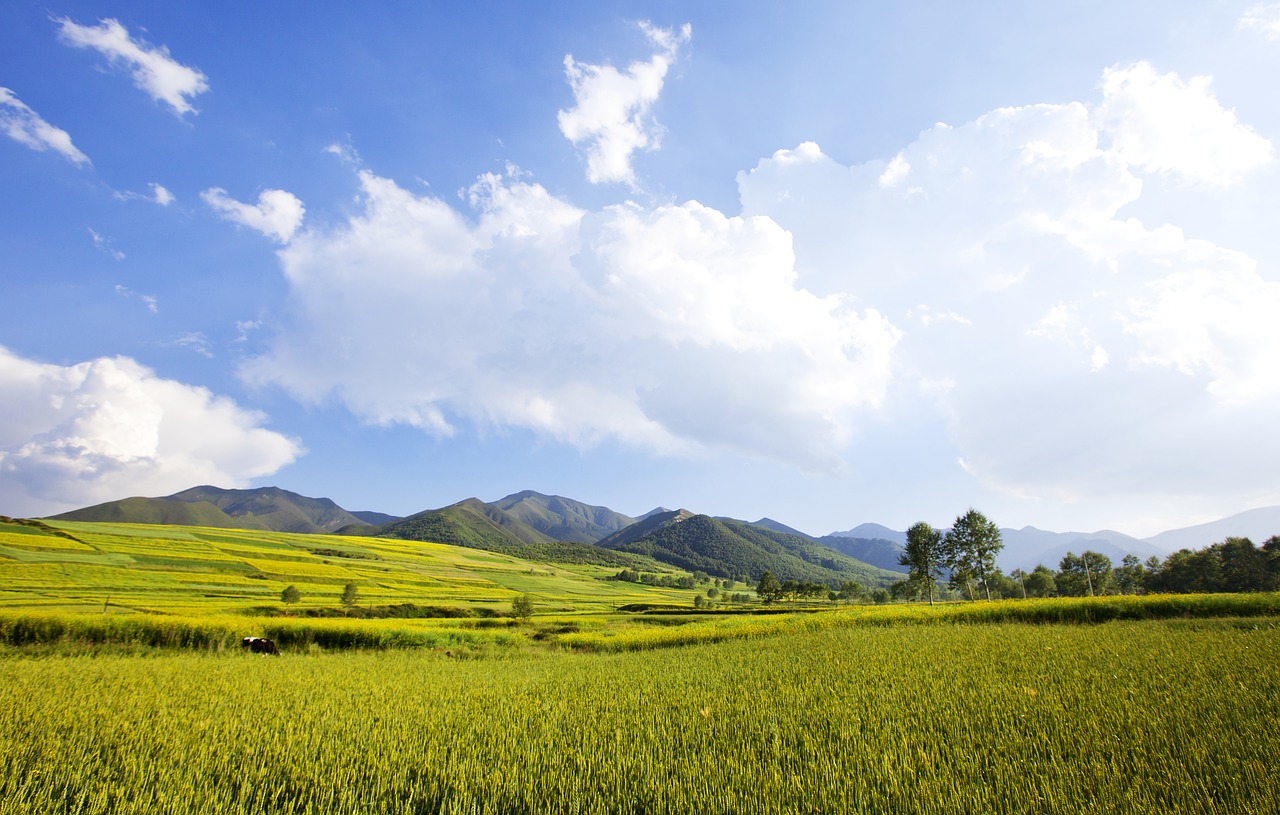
154	71
1094	355
675	329
25	126
611	116
1161	124
110	428
278	214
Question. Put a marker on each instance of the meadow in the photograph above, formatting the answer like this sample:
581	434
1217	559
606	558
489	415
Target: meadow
1125	716
123	689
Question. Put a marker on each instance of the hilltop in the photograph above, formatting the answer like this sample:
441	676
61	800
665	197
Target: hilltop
735	549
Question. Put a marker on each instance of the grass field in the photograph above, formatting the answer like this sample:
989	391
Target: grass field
123	689
1175	716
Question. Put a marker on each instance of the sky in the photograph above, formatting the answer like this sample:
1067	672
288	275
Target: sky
824	262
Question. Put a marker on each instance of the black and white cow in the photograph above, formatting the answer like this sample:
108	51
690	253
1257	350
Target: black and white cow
260	645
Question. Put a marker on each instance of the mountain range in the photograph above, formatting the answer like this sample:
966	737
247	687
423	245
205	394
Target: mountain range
558	529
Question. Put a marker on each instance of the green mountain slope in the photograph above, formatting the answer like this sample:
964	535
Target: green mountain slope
159	511
732	548
477	525
563	519
274	508
268	508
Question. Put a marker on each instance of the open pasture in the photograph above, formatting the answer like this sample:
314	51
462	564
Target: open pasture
1176	716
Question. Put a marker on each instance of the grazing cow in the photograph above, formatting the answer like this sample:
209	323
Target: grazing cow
260	645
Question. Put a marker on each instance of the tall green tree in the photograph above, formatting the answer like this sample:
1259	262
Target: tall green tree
768	589
923	556
1087	574
1041	582
970	548
290	595
350	594
522	606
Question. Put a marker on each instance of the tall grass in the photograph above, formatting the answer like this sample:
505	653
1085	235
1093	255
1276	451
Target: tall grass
1129	717
215	633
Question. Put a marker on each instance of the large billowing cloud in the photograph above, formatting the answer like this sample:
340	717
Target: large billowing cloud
991	271
1078	353
611	116
154	71
100	430
22	124
675	329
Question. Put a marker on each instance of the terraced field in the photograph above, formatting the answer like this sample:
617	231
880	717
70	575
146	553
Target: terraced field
195	570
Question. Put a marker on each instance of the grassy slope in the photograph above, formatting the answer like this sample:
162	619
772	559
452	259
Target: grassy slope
199	570
159	511
477	525
562	518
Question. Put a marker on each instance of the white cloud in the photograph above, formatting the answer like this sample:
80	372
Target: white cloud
1161	124
153	70
104	245
160	195
611	115
195	341
1264	17
110	428
1100	356
150	301
25	126
345	152
675	329
278	214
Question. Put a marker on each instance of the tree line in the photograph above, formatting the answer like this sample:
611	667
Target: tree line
964	557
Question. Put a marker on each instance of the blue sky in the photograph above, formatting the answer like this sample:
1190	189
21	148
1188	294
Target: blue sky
829	263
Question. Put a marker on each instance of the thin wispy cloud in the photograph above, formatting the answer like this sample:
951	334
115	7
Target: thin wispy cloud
153	70
104	245
150	301
1264	17
22	124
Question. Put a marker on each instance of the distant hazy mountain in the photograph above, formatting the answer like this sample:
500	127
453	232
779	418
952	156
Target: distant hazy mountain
769	523
1023	548
1028	547
728	548
263	508
880	552
563	519
1255	524
873	532
654	511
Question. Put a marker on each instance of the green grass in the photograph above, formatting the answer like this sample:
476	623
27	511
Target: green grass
1120	717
